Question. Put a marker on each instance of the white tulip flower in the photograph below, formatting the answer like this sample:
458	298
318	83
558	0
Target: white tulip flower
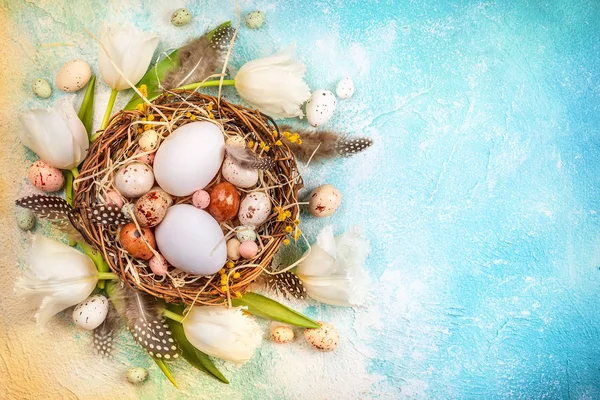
58	277
56	134
222	332
333	272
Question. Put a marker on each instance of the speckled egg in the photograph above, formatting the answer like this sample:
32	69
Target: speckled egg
324	201
145	158
134	180
181	17
45	177
159	265
245	234
255	19
248	250
91	312
148	140
151	208
233	249
201	199
134	241
281	334
238	176
235	141
25	218
325	338
137	375
255	209
73	76
320	107
113	198
345	88
224	202
41	88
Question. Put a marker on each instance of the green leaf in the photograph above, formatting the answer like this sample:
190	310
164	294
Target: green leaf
194	356
86	111
264	307
165	370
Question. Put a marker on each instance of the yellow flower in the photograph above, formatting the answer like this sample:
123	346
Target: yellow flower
289	229
281	217
150	117
223	288
297	234
221	271
143	119
140	130
286	241
278	143
147	127
299	141
230	264
209	107
286	134
193	117
223	279
188	114
143	90
296	221
140	107
211	115
262	145
266	148
275	133
238	294
236	275
251	144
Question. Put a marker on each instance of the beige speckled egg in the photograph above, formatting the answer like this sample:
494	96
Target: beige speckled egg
137	375
235	141
151	208
254	209
134	180
148	140
158	265
73	76
45	177
133	241
324	201
233	249
238	176
281	334
325	338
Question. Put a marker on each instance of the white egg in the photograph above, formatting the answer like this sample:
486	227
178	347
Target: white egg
91	312
254	209
73	76
245	234
345	88
134	180
148	140
137	375
191	240
235	141
320	107
189	158
238	176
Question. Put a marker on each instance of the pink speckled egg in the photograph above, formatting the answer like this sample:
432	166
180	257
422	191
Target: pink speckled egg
158	265
145	158
248	249
324	201
201	199
113	198
45	177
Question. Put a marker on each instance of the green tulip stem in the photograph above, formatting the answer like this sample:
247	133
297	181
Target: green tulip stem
98	260
107	276
213	83
75	172
173	316
109	107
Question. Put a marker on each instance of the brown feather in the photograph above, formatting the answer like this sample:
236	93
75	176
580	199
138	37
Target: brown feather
106	332
247	159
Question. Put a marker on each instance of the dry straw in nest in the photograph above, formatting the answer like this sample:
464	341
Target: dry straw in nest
118	146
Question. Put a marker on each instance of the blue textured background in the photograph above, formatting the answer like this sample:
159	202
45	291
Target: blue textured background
480	196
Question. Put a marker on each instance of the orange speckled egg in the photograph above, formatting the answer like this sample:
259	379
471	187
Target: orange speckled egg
224	202
133	242
45	177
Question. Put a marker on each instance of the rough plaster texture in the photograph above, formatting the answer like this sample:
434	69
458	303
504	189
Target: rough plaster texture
480	198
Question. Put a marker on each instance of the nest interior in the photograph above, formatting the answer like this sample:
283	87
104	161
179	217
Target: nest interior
118	145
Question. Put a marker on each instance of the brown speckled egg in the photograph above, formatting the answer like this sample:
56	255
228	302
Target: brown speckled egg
151	208
324	201
133	242
282	334
325	338
45	177
224	202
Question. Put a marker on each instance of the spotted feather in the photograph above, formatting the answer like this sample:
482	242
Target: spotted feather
106	332
53	208
105	214
352	146
287	283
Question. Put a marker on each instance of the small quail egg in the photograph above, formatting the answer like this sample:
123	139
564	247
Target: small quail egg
42	88
233	249
181	17
255	19
248	250
158	265
25	219
245	233
90	313
324	201
325	338
45	177
282	334
137	375
73	76
235	141
345	88
148	140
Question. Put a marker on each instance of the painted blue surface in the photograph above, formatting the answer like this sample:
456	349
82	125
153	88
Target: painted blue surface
480	196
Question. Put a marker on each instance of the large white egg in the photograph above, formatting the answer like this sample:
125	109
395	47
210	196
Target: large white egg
320	107
191	240
189	158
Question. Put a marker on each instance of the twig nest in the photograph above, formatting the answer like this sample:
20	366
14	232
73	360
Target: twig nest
201	199
181	17
45	177
324	201
137	375
138	243
233	249
345	88
325	338
248	249
224	202
245	234
73	76
134	180
254	209
281	334
158	264
25	219
151	208
41	88
91	312
255	19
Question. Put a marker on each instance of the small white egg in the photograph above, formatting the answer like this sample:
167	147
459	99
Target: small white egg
41	88
25	219
281	334
320	107
137	375
91	313
238	176
235	141
134	180
245	234
345	88
233	249
324	201
73	76
148	140
325	338
254	209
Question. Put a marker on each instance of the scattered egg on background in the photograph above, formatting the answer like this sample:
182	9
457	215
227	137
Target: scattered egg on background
224	202
201	199
159	265
324	201
281	334
41	88
320	107
73	76
25	218
137	375
148	140
233	249
134	241
245	233
181	17
345	88
325	338
134	180
254	209
238	176
255	19
45	177
248	249
90	313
